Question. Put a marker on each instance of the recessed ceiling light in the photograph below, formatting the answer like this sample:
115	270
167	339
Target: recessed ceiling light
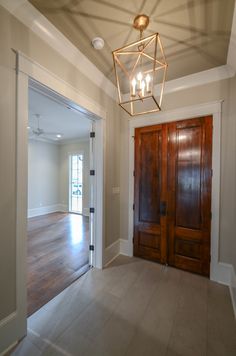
59	136
98	43
28	127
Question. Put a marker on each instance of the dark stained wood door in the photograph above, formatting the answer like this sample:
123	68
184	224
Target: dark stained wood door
189	194
150	182
172	205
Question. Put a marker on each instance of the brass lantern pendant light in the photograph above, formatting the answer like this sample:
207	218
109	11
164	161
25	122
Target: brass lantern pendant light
140	69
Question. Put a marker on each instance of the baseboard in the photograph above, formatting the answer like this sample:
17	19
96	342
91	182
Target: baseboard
62	208
111	252
46	210
220	273
10	331
232	288
8	350
125	248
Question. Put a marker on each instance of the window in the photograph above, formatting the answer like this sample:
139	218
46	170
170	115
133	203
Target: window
76	183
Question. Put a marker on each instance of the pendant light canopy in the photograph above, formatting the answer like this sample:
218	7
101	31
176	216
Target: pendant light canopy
140	69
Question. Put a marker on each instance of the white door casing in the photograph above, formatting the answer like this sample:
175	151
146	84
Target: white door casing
14	327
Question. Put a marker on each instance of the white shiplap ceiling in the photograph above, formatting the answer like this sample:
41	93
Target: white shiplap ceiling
56	117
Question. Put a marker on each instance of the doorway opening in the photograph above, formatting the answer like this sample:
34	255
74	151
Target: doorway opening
30	74
76	167
59	186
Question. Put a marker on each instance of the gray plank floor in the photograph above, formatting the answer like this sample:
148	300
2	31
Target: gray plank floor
135	307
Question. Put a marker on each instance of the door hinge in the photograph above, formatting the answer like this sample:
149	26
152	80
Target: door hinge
91	247
211	215
212	172
133	206
133	240
133	173
91	210
92	134
92	172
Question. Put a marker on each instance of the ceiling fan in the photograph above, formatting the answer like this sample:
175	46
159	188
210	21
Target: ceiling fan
39	132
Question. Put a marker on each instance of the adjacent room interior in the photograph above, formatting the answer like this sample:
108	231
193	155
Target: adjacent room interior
58	197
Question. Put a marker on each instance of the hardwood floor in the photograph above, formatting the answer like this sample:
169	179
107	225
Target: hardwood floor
58	254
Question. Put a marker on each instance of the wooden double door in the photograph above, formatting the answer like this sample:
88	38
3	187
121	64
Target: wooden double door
172	200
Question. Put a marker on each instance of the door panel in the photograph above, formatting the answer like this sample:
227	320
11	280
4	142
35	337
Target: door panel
188	177
172	214
149	224
150	176
189	186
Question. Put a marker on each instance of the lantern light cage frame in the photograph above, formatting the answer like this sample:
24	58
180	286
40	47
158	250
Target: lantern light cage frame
152	100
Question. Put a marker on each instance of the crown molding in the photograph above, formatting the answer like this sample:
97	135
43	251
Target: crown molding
44	140
73	141
201	78
231	58
194	80
42	27
33	19
60	142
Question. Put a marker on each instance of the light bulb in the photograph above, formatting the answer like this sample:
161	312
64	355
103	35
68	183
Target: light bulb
133	87
148	79
143	87
140	77
59	136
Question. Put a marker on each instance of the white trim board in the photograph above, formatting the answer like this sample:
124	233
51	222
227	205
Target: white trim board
232	288
111	252
214	109
43	210
196	79
119	247
14	328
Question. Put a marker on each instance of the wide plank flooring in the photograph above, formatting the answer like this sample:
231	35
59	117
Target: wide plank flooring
135	308
57	255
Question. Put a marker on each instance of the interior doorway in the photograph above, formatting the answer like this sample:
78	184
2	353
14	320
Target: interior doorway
172	193
59	234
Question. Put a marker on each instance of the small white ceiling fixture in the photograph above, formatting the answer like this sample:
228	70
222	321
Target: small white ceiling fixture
98	43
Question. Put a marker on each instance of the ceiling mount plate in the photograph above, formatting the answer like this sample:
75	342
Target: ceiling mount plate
141	22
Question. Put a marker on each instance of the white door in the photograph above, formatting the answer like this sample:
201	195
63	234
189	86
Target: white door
76	183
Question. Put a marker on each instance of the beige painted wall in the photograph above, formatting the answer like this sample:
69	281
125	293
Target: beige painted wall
65	151
228	178
13	34
218	90
43	174
48	174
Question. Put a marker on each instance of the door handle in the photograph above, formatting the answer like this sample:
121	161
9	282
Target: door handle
163	208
